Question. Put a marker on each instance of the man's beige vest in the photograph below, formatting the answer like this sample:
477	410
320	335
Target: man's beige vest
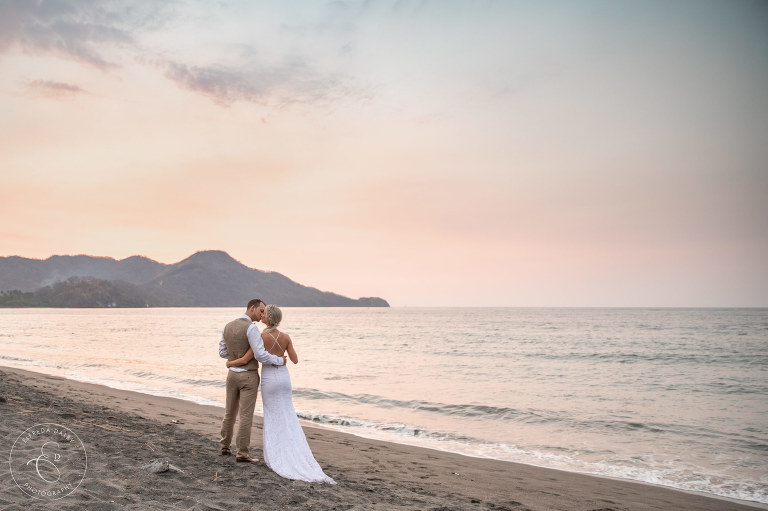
236	341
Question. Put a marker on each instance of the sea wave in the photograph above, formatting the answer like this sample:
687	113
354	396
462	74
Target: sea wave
744	440
16	359
463	410
395	428
605	463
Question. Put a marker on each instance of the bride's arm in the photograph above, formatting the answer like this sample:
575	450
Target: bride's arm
242	360
291	351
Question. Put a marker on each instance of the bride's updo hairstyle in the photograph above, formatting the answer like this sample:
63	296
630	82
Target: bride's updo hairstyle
274	316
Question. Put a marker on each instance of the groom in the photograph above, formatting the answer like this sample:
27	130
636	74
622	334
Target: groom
243	381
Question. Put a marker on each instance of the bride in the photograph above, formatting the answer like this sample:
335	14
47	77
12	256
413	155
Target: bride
285	447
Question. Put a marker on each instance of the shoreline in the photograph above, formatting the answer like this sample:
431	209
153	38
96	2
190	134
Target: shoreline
372	474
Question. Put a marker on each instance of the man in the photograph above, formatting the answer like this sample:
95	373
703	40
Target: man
243	381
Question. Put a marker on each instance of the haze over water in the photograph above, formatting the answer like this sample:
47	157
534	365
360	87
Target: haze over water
673	397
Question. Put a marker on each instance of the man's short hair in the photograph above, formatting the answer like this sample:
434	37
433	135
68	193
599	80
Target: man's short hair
254	303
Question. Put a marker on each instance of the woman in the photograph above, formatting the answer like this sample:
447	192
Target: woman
285	447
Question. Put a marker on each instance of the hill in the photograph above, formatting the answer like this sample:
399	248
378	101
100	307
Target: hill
205	279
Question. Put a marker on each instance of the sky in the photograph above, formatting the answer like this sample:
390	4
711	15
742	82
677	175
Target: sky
433	153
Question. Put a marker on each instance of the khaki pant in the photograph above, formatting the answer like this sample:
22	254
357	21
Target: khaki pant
242	388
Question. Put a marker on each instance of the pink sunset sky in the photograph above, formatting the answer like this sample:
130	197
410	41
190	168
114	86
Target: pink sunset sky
484	153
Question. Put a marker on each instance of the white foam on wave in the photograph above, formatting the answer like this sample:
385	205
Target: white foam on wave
690	479
146	389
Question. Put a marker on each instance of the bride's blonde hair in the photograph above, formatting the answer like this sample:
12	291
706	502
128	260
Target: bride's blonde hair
274	316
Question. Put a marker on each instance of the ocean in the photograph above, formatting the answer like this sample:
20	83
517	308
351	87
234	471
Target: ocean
671	397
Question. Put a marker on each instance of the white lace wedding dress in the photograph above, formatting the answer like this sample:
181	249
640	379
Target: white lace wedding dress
285	447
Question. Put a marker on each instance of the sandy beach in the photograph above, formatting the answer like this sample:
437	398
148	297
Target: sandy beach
124	431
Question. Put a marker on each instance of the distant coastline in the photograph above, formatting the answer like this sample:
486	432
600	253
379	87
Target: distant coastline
205	279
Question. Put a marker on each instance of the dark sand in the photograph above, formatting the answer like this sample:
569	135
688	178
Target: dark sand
122	431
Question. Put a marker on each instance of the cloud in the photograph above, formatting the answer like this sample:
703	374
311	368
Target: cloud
291	83
74	29
93	32
51	89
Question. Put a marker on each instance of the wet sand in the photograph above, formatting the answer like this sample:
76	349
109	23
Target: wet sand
123	431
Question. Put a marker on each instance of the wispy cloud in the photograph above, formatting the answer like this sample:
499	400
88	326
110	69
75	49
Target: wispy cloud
109	35
292	83
51	89
74	29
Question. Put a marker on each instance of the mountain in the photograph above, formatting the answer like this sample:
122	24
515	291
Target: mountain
205	279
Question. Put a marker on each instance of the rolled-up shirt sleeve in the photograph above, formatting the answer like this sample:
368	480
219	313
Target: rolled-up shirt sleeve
259	351
223	347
